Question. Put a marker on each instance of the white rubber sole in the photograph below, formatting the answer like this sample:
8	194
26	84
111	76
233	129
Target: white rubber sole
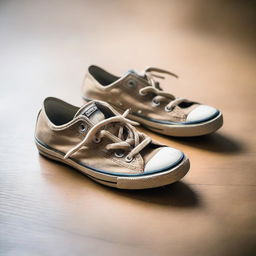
122	182
182	130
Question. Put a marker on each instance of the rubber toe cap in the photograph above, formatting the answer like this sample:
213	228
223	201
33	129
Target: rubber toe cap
164	159
201	113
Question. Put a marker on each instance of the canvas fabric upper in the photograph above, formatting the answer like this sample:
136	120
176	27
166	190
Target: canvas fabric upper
121	95
65	136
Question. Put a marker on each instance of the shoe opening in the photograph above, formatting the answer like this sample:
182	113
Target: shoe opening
102	76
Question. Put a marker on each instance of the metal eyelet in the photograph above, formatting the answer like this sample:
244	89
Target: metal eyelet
128	159
155	103
131	83
96	140
83	127
167	109
119	155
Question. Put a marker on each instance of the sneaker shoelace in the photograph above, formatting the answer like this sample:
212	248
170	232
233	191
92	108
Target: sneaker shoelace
154	88
134	141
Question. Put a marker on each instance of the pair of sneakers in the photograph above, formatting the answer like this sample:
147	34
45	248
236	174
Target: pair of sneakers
100	140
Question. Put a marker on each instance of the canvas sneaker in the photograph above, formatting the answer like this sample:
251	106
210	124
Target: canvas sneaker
104	145
149	105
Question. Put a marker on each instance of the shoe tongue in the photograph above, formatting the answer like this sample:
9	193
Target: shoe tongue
131	71
139	74
92	112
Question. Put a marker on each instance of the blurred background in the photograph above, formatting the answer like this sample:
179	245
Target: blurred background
50	43
45	49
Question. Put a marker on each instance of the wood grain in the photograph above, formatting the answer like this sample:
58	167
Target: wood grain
50	209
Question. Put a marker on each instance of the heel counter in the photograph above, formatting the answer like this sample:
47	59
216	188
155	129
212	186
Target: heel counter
86	85
36	124
90	88
39	125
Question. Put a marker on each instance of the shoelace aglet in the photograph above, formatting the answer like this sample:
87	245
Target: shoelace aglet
159	70
67	154
126	113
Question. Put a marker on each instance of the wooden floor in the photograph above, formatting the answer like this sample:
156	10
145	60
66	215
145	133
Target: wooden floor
48	209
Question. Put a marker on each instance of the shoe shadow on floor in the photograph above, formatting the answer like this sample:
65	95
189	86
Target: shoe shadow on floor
215	142
178	194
